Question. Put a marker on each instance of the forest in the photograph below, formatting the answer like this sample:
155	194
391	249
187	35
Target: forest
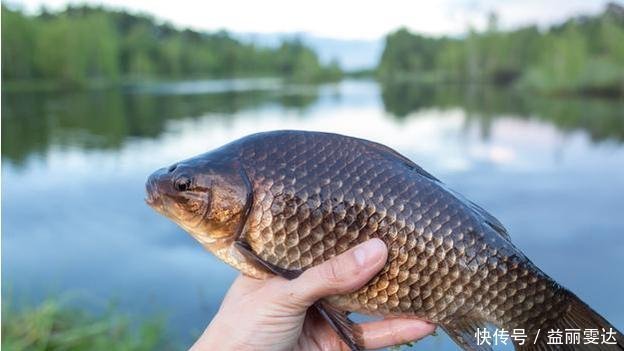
583	55
82	45
85	46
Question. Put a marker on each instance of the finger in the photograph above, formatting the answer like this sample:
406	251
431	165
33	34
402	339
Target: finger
394	331
341	274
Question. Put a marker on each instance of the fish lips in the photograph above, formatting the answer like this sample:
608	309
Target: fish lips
156	185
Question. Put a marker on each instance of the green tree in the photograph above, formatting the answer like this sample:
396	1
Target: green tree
581	55
18	37
82	44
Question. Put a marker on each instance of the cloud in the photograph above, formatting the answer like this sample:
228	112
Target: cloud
347	19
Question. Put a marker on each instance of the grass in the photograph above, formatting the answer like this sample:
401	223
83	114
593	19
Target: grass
52	325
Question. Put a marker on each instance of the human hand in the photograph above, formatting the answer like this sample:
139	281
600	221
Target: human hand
272	314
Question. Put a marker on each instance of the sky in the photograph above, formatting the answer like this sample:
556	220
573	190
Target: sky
345	19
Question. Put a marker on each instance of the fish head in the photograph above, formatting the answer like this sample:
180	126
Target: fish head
206	196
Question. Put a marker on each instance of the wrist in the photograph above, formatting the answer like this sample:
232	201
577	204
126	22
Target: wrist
211	339
218	337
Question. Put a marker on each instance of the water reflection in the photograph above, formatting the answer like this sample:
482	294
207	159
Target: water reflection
603	119
74	167
32	122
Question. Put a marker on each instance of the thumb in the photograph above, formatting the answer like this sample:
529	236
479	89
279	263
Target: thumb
338	275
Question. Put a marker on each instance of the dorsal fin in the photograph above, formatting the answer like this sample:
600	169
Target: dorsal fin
484	215
392	154
491	220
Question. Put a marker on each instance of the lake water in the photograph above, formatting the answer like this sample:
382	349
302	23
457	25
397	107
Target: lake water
74	165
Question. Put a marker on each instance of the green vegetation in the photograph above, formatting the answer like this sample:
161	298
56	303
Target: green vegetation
107	119
582	55
91	45
54	326
32	121
600	117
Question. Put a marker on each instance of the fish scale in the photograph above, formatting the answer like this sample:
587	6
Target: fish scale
376	197
312	196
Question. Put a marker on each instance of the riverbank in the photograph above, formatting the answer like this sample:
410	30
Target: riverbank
54	325
43	85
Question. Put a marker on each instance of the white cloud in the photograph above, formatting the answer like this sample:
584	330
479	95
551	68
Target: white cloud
347	19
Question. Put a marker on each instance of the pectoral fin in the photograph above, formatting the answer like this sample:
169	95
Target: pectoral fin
245	249
348	331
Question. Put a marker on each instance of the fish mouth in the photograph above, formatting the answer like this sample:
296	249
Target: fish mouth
152	197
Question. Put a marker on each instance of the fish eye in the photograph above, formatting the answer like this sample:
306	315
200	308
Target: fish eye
183	183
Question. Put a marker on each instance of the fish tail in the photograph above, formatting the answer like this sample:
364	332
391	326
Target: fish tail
579	316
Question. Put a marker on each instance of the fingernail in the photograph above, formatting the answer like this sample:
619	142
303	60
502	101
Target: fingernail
368	250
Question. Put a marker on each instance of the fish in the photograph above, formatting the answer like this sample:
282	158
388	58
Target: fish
280	202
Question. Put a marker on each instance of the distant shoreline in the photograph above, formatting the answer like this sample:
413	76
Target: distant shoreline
56	86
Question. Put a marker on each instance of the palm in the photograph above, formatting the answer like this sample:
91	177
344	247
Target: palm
308	331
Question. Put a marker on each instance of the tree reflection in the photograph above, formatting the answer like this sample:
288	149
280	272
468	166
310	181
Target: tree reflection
601	118
33	121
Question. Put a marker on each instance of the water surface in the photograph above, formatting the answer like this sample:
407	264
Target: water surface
74	164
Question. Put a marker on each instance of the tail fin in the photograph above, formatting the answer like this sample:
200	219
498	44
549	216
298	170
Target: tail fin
579	316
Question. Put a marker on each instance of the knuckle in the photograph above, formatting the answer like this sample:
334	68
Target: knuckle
397	337
330	273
